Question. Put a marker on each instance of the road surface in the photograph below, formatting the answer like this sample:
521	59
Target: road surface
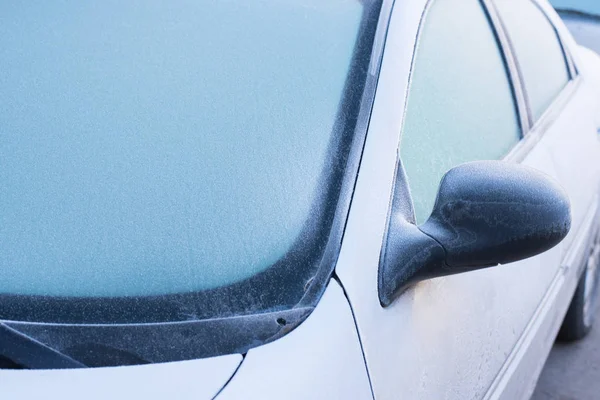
572	371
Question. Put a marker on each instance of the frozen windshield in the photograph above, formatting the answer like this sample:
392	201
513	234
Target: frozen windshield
159	147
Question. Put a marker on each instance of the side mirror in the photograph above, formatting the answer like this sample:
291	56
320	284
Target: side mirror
486	213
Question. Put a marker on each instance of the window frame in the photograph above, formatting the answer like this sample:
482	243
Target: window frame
533	130
512	65
514	80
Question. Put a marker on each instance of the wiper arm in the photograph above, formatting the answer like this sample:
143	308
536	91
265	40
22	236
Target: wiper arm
29	353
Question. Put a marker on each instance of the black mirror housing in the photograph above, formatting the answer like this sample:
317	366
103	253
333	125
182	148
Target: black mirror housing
490	213
486	213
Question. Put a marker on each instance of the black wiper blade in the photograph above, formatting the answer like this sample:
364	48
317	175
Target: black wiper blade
29	353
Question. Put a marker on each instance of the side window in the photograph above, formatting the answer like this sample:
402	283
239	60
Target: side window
538	51
460	104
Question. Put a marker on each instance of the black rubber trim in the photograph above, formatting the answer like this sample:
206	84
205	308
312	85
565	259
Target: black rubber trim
231	377
26	352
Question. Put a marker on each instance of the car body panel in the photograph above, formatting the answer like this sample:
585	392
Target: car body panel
196	379
450	337
321	358
519	374
570	132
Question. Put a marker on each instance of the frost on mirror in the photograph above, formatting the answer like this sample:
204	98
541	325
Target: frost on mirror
460	105
151	147
541	58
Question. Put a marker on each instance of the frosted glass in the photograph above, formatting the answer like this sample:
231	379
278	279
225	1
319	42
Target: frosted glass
460	104
538	51
589	6
154	147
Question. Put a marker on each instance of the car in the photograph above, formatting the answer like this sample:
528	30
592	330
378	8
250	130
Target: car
293	199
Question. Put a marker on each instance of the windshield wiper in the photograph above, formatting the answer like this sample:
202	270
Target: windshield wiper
27	352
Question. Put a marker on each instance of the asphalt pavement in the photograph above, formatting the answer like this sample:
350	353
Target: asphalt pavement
572	371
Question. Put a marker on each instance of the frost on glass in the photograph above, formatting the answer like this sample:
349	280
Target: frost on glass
538	52
154	147
587	6
460	105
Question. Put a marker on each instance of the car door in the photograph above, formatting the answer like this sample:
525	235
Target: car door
561	94
454	99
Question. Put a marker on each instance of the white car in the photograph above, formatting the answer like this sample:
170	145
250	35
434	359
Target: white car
237	199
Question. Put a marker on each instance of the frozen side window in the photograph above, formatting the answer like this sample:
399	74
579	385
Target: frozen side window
538	51
460	104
